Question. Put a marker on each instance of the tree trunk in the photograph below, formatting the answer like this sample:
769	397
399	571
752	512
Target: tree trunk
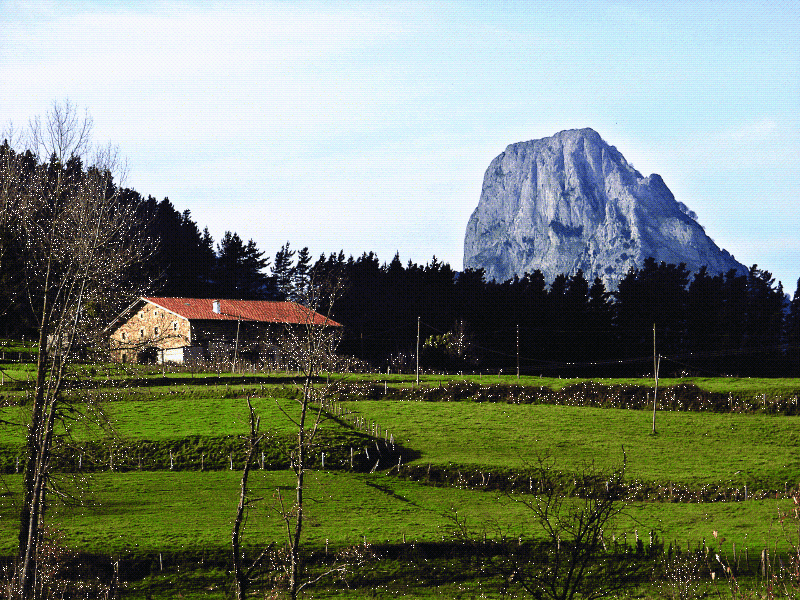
33	480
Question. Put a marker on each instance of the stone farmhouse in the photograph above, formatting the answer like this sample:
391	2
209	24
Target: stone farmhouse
179	330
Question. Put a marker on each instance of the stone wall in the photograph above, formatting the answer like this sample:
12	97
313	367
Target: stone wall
150	327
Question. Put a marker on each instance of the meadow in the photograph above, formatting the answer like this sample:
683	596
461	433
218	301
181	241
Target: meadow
462	458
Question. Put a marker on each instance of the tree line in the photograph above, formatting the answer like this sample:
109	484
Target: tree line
705	323
732	323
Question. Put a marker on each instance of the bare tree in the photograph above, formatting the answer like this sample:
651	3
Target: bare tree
78	241
240	574
310	343
312	348
575	557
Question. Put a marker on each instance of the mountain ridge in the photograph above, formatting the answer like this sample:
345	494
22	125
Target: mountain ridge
571	201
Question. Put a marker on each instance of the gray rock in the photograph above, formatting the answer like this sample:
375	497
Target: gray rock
572	202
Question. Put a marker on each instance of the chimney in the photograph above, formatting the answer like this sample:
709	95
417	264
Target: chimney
216	306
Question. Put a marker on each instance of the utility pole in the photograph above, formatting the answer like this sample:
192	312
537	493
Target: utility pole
418	318
517	351
236	346
655	361
655	394
656	365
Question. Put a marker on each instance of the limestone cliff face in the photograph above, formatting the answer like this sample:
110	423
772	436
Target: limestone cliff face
572	202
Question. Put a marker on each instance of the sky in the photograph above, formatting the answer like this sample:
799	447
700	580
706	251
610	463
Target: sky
367	126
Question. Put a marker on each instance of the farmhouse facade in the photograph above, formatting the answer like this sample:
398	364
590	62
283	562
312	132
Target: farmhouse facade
178	330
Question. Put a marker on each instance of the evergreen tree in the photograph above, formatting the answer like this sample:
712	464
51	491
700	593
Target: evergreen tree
600	314
239	269
282	272
734	317
704	324
301	276
207	258
654	295
793	334
255	283
764	330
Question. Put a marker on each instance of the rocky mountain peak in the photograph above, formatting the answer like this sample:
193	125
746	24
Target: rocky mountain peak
570	202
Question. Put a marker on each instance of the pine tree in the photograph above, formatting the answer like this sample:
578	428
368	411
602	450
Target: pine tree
793	334
239	269
282	272
301	276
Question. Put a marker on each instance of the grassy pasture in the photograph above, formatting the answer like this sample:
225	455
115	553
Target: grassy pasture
692	448
17	345
186	512
170	418
761	451
149	512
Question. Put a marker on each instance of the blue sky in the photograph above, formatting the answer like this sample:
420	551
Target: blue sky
369	125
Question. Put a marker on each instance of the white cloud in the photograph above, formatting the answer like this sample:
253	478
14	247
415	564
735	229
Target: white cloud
757	129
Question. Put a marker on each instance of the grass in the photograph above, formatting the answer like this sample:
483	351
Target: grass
691	448
186	514
172	418
150	512
745	386
10	345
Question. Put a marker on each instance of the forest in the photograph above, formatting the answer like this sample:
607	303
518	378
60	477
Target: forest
700	323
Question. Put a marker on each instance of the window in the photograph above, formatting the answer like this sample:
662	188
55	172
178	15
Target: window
124	336
155	313
141	333
174	326
156	330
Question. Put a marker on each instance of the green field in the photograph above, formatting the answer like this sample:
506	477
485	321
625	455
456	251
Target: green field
689	447
150	512
188	513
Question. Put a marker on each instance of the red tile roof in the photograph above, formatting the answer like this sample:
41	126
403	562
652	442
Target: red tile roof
246	310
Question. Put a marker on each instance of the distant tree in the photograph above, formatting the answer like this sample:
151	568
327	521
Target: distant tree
301	276
184	260
16	170
656	295
255	282
208	261
793	333
734	318
557	320
282	271
766	303
704	320
239	269
600	315
576	312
